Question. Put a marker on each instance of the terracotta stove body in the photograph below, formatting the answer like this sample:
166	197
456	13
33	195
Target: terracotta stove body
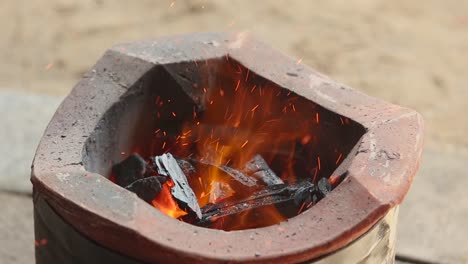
87	218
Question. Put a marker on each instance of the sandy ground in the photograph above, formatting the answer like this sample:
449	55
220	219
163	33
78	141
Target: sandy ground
412	53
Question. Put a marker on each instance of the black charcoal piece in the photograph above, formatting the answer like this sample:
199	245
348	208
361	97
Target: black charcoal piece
146	188
258	168
167	165
129	170
323	186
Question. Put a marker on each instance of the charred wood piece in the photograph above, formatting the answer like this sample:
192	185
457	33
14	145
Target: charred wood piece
168	166
274	195
258	168
235	174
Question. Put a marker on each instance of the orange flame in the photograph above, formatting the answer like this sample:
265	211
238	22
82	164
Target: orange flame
242	117
166	203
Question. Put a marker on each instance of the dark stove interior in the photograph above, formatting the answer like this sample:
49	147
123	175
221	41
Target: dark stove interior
223	126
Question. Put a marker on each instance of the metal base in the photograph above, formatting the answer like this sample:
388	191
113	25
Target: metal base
375	246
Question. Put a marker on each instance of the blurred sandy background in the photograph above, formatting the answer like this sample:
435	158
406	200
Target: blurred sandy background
413	53
409	52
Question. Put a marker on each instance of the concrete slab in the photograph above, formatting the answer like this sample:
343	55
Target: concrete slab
24	119
433	224
16	229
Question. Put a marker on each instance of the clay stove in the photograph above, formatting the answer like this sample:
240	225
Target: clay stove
223	98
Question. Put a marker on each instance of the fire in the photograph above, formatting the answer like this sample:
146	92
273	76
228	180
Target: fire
243	116
166	203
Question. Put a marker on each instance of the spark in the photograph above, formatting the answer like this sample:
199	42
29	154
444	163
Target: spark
174	114
306	139
204	89
317	118
227	56
315	175
255	107
221	92
318	162
200	181
49	66
332	180
239	69
253	88
196	64
188	132
226	113
309	205
237	86
172	4
195	85
299	61
227	162
164	133
164	145
122	153
185	144
245	143
211	102
157	130
342	122
339	158
293	108
289	93
300	209
247	75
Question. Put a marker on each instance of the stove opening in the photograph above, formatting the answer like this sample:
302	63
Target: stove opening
213	144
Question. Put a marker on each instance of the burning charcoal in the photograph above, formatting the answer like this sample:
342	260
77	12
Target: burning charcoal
323	186
167	165
129	170
220	191
258	168
278	195
146	188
